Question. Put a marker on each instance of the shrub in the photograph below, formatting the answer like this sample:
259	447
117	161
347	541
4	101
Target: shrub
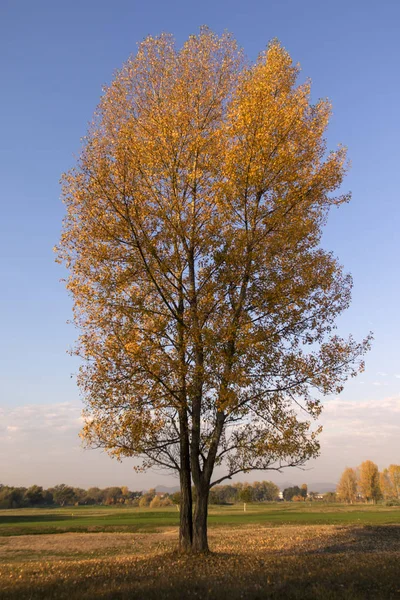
166	501
144	501
156	502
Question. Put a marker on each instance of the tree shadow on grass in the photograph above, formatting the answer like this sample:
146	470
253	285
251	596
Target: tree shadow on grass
226	576
369	538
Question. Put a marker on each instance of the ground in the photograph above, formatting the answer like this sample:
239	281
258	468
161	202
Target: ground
271	551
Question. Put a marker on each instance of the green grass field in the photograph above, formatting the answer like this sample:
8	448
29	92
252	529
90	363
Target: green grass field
273	551
91	519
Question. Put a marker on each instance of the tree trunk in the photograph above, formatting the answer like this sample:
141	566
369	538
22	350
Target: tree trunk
186	505
200	542
186	519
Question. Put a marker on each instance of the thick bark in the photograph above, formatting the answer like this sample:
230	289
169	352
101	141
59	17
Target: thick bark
186	519
200	541
186	505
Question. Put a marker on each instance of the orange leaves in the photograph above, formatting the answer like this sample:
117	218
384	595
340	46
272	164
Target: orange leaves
368	482
192	232
347	486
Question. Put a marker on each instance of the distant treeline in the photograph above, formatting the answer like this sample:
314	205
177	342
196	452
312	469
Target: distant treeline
64	495
362	484
259	491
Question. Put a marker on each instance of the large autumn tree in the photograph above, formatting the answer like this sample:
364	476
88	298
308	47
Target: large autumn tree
368	481
347	486
205	303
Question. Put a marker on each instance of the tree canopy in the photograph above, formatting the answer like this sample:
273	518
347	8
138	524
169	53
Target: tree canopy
205	303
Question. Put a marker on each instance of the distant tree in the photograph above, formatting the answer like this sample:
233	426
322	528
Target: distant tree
166	501
270	491
48	498
156	502
63	494
176	498
214	497
94	495
368	482
79	495
11	497
223	494
386	485
238	486
112	495
229	494
146	499
347	487
303	491
126	494
246	494
34	495
290	492
394	476
330	497
265	491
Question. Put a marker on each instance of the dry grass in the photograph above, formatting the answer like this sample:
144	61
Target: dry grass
307	562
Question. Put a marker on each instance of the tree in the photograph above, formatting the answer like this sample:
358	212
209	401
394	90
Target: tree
94	495
156	502
11	497
63	494
386	485
303	491
34	495
246	494
330	497
369	481
223	494
145	500
394	476
79	495
205	303
176	498
112	495
347	486
265	491
290	492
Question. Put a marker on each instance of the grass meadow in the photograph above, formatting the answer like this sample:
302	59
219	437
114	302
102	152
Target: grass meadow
283	550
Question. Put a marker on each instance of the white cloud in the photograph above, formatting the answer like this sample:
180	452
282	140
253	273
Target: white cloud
368	429
40	444
40	419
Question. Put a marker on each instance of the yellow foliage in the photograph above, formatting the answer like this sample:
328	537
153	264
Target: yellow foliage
369	481
205	303
347	486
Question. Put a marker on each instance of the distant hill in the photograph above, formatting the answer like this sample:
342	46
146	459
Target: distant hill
319	486
167	490
322	487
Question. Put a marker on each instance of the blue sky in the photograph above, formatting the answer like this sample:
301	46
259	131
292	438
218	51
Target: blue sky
54	59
